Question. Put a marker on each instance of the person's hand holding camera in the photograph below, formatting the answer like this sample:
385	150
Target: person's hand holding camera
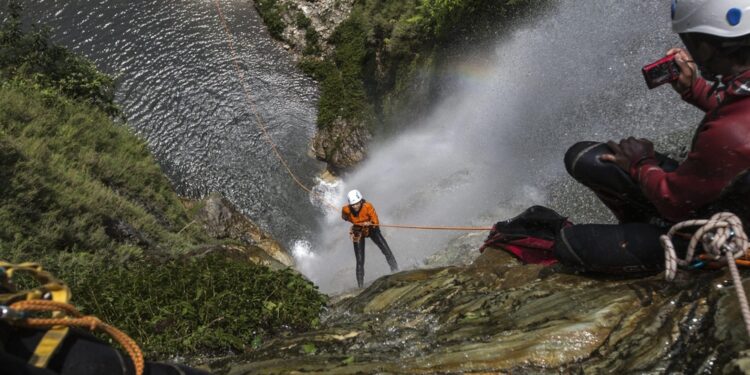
688	70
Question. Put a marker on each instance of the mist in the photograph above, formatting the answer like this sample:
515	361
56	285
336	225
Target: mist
496	143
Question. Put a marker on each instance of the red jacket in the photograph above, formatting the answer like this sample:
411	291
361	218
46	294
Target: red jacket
720	151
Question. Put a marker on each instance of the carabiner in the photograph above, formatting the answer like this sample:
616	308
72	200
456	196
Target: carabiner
6	313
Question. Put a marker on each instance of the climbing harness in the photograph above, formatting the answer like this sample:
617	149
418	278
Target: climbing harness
264	129
724	243
20	308
357	232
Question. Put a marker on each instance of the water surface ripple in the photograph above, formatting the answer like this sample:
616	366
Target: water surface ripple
179	91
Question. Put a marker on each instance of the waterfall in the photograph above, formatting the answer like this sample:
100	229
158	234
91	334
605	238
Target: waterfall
496	143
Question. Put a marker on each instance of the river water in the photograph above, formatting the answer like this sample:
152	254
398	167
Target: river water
180	93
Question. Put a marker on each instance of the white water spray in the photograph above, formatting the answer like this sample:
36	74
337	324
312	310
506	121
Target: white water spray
491	148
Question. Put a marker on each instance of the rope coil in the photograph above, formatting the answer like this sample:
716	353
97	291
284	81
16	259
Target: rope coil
74	318
724	241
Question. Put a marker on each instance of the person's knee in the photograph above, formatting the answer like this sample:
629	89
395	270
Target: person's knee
575	154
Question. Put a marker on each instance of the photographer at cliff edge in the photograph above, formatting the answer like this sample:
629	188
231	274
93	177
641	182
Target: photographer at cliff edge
646	191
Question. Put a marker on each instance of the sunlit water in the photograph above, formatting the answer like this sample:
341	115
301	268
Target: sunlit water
179	91
497	142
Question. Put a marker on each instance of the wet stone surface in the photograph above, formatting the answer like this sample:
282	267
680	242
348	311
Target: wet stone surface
498	316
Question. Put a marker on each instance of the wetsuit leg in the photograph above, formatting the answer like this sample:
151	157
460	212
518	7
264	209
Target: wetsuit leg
620	249
12	365
79	354
612	185
359	253
379	240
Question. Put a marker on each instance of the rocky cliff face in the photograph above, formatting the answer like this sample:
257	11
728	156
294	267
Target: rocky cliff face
341	144
379	61
497	316
308	24
305	28
222	220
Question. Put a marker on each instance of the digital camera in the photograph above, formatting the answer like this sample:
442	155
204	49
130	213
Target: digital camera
662	71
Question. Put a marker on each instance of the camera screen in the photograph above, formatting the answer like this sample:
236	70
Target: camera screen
659	73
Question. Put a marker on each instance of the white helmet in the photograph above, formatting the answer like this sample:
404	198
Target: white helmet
725	18
354	196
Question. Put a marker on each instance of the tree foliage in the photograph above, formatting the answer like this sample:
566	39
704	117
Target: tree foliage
33	57
383	45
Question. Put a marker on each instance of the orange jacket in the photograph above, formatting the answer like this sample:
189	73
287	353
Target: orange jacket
366	214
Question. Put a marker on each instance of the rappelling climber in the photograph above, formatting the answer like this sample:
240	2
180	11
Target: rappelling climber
365	224
647	191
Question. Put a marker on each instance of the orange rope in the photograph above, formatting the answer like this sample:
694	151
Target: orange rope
436	227
259	121
78	320
274	147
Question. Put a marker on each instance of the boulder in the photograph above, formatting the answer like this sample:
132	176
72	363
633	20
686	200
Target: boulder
223	221
342	145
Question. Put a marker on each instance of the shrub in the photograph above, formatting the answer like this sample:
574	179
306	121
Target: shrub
204	304
71	176
271	12
31	56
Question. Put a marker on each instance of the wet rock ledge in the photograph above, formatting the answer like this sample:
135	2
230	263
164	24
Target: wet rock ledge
221	220
497	316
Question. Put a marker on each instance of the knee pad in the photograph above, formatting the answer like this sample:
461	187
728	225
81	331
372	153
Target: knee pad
574	154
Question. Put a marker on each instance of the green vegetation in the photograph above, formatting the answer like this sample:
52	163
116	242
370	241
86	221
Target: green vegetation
343	93
201	304
74	181
83	196
384	44
312	38
271	11
48	67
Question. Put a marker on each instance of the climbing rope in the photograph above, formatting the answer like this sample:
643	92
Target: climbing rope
724	241
52	295
259	120
72	318
264	129
420	227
